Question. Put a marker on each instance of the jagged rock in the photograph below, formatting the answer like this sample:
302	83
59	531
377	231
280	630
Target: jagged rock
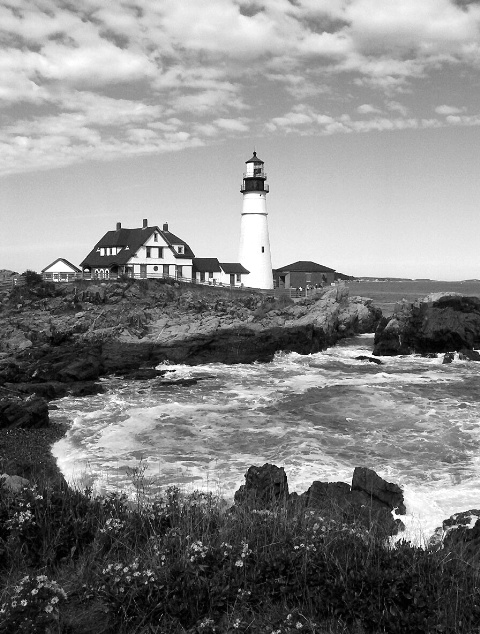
50	390
368	502
264	487
143	374
363	357
460	531
369	482
448	357
438	323
67	365
27	413
468	355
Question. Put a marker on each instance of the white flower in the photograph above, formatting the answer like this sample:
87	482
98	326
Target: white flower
23	602
35	591
239	563
298	625
48	608
54	600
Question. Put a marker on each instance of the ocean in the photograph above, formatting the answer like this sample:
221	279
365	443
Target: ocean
413	420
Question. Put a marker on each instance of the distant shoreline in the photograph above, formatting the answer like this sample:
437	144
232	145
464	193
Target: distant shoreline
385	294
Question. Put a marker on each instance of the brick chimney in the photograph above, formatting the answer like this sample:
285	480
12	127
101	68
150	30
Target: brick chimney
119	226
145	223
165	226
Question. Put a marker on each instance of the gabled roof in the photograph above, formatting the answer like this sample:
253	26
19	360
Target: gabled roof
205	265
254	159
66	262
233	267
133	239
305	266
172	239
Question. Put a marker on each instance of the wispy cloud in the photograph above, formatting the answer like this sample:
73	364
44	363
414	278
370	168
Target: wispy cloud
97	80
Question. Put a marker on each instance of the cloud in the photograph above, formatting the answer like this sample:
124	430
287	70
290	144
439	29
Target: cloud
98	79
448	110
367	108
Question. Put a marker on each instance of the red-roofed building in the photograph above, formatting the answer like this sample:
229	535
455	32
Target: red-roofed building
302	274
146	252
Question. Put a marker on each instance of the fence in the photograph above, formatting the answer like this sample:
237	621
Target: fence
6	285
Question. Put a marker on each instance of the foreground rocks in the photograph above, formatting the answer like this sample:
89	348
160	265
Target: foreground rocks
368	501
438	323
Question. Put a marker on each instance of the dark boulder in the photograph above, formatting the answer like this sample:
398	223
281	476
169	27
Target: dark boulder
369	502
26	413
143	374
438	323
460	532
67	365
264	487
376	488
364	357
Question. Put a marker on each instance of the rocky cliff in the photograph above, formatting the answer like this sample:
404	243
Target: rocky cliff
443	322
55	339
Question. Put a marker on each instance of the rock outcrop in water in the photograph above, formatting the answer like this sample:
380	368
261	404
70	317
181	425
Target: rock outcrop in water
460	531
368	501
54	339
443	322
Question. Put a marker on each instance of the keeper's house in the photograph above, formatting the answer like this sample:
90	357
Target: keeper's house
211	271
303	274
141	253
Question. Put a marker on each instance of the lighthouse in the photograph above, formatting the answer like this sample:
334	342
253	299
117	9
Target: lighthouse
254	252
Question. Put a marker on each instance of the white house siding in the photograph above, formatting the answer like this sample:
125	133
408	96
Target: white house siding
168	259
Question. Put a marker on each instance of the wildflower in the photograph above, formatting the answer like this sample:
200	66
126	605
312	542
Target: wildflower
239	563
236	624
48	608
34	591
54	600
24	602
298	625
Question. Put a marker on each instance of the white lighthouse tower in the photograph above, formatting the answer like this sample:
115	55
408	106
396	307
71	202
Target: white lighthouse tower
254	252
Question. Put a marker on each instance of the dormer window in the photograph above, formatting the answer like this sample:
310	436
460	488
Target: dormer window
180	249
102	251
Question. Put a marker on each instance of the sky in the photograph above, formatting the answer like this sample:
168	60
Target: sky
365	112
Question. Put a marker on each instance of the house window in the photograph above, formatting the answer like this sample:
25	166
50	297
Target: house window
110	251
202	276
160	252
166	270
155	268
180	249
102	251
155	237
148	252
239	277
178	270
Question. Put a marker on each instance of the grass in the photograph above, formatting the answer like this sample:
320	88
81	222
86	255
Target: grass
74	563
